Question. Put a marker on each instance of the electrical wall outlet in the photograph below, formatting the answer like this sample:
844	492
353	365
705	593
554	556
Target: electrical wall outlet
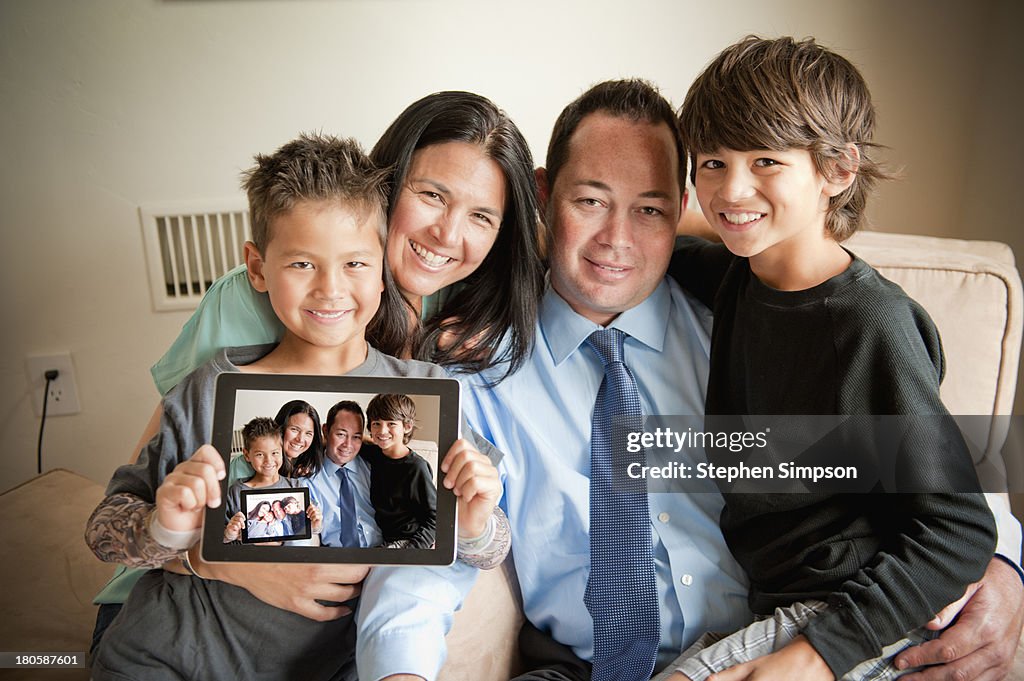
63	392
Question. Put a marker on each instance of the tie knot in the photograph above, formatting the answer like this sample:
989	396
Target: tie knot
607	343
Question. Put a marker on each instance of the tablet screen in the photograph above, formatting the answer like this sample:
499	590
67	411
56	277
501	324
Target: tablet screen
333	470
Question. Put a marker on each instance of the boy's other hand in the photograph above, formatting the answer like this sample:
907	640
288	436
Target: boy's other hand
188	489
295	587
474	480
315	518
796	660
982	642
234	527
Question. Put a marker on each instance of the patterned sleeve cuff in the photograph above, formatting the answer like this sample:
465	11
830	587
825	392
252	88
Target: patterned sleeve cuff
489	549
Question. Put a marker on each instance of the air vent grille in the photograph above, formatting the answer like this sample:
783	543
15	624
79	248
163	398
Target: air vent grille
189	246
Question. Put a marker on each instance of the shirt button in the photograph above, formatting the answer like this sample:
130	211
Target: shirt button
663	517
687	580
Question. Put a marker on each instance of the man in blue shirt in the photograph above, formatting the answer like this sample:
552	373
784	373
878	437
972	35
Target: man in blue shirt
343	435
612	194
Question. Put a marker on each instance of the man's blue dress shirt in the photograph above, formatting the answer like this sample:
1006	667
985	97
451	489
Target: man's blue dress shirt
540	417
325	488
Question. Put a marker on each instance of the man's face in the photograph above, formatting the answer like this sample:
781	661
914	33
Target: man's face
613	212
344	437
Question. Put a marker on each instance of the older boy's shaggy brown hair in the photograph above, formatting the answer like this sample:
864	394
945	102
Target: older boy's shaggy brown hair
788	94
393	407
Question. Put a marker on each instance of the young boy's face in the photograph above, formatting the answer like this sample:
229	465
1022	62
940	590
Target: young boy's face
264	455
389	434
323	271
765	203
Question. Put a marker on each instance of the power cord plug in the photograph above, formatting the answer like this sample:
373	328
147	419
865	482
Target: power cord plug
50	375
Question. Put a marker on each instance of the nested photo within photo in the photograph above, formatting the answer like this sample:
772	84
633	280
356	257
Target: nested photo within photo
275	516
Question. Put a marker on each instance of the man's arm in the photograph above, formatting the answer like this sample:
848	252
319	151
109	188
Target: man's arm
982	642
404	615
406	612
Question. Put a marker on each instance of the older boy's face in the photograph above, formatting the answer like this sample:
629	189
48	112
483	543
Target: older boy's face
344	437
388	434
613	211
323	269
765	204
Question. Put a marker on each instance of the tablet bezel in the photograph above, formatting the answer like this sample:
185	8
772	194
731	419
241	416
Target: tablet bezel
449	418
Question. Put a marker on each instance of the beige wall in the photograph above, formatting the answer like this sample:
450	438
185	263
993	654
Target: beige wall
110	104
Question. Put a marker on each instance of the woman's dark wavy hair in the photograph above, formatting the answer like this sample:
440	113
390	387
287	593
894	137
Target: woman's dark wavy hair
254	514
310	461
502	295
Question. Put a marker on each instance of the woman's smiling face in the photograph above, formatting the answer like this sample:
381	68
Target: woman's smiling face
445	219
298	434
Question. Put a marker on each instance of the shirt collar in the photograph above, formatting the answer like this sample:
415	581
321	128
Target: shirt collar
564	330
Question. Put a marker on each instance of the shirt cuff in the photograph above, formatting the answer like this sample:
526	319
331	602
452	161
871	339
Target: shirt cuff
404	615
171	539
1008	530
1013	564
478	544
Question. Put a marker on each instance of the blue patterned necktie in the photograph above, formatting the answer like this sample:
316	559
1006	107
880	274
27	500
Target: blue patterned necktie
621	593
347	501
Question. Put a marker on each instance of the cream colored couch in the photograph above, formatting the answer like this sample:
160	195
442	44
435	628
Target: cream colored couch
971	289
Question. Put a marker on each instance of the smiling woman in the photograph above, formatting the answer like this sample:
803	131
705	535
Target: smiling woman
462	248
302	443
445	219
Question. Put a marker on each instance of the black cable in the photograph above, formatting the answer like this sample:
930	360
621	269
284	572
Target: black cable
51	376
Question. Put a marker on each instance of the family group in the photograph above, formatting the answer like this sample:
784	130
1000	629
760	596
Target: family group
425	258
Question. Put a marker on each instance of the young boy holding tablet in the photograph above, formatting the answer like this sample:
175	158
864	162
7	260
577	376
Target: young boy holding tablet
318	236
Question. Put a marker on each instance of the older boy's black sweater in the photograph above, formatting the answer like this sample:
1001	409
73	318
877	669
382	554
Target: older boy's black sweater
403	495
856	344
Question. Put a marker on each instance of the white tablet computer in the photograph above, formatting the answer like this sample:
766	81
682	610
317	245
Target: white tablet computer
393	493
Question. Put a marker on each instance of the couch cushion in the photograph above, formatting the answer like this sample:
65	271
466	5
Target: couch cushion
50	575
972	291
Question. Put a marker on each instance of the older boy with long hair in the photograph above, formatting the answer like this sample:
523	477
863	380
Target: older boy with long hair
780	132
